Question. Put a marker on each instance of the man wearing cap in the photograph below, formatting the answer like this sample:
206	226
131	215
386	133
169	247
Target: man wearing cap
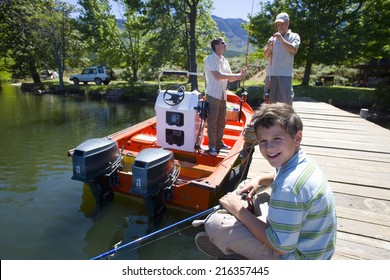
280	49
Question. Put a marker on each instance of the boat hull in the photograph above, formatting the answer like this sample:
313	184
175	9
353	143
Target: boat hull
202	179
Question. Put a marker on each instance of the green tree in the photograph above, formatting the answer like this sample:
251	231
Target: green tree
371	32
181	30
20	33
135	47
101	31
38	34
5	67
58	29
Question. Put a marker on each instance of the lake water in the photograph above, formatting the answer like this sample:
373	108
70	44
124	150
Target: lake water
45	214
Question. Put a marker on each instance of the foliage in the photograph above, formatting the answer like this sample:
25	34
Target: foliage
135	42
5	67
37	35
343	75
57	31
40	34
181	30
20	35
101	32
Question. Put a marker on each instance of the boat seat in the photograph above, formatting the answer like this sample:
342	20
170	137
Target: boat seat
233	129
144	139
230	139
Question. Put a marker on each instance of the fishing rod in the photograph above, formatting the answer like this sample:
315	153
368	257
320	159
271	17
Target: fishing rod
143	238
244	93
247	44
267	92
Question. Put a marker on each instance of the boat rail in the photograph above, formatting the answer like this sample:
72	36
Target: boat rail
177	73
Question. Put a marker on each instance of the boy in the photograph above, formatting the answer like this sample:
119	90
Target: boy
301	222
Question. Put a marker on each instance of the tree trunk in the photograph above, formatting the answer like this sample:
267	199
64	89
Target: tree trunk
135	74
192	60
33	71
61	66
306	76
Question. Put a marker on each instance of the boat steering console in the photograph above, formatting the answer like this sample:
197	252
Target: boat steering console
172	99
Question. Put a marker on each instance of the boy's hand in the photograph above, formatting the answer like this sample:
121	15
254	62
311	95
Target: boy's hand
232	203
250	187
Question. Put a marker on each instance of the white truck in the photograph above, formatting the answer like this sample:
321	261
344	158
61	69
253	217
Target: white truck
96	74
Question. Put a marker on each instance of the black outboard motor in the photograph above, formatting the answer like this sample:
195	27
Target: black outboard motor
154	172
96	162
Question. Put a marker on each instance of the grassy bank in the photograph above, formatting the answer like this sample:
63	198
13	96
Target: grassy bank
340	96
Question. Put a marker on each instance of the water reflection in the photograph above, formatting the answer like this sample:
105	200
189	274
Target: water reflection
125	220
45	214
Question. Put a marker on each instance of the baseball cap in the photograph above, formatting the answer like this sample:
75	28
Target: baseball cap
282	17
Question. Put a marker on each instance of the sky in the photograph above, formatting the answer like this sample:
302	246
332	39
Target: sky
235	8
222	8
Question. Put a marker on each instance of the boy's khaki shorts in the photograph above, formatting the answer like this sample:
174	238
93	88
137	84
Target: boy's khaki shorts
231	236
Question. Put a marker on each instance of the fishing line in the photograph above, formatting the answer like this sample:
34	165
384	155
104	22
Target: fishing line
247	45
149	242
175	225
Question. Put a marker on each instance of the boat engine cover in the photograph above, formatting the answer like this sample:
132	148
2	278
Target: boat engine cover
152	167
95	157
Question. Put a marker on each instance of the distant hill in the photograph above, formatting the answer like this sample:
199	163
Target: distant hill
237	37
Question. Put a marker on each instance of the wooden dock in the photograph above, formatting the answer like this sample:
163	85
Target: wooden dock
355	155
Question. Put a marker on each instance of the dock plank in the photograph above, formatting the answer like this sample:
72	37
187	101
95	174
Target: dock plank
355	156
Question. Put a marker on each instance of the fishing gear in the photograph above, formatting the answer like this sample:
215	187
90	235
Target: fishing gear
247	47
115	250
203	109
267	92
244	93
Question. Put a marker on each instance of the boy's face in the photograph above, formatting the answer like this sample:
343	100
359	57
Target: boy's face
276	145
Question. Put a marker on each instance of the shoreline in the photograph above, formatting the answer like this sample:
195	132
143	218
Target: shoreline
131	93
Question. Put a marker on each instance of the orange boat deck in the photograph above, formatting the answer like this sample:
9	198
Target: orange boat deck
201	174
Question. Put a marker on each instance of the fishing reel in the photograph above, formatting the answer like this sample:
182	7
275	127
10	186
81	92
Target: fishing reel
203	109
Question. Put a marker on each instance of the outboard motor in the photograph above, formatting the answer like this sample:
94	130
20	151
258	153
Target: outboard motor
96	162
154	172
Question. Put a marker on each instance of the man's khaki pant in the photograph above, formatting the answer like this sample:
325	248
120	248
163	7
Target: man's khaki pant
216	120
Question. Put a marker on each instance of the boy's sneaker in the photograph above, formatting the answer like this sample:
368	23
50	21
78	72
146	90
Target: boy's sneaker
224	146
208	248
213	151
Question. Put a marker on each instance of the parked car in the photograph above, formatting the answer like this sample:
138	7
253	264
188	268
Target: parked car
96	74
48	74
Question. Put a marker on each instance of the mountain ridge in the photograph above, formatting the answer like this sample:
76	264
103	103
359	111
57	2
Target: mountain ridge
232	28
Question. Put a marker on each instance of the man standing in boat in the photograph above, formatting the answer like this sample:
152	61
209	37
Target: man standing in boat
218	73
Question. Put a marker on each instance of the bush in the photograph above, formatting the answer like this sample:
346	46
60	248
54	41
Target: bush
343	75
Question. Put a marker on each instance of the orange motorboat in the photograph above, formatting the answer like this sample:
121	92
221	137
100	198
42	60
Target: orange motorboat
165	159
